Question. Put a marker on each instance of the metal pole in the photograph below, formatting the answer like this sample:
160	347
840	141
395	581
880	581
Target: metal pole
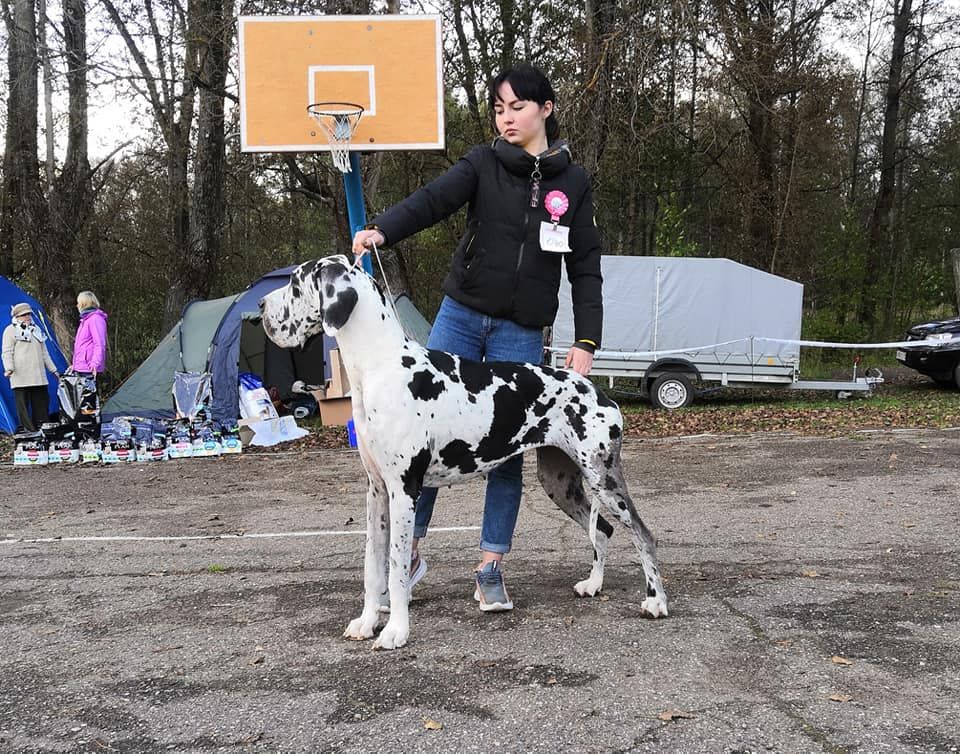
356	212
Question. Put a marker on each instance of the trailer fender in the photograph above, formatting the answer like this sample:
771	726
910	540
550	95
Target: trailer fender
671	364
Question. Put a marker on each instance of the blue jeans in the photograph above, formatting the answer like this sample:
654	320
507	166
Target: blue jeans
460	330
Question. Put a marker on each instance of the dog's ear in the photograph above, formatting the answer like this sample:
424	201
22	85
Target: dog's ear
337	310
338	295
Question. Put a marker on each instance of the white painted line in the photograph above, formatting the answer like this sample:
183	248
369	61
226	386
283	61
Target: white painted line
250	535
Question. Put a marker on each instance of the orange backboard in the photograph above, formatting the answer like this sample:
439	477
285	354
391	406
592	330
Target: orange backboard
390	65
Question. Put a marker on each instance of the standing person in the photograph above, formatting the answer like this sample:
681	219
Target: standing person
90	345
529	213
25	356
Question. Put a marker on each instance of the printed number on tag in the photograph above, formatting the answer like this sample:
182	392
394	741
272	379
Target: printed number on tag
554	238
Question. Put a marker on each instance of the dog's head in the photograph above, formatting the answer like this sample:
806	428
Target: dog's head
320	295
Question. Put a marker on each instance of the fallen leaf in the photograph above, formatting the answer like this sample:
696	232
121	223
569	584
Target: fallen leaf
909	525
604	598
551	680
252	738
840	697
568	620
810	574
674	714
432	724
838	660
257	660
784	643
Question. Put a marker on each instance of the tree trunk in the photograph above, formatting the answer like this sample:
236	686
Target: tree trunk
9	191
198	267
881	221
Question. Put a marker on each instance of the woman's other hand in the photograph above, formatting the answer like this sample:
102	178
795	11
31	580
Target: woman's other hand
579	360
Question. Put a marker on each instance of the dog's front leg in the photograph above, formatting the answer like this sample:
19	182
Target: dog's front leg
394	635
374	565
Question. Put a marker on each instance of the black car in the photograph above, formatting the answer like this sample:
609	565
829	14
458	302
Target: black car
940	362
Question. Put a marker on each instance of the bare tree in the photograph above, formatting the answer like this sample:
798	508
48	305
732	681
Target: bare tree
52	223
170	90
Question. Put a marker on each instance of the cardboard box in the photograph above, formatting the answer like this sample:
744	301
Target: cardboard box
338	385
335	411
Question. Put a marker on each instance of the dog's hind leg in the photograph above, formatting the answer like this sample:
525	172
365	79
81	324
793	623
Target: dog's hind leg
605	477
375	561
563	483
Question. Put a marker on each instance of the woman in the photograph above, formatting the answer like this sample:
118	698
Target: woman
530	213
25	356
90	345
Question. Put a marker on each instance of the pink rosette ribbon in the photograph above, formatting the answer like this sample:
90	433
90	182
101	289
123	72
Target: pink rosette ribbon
556	203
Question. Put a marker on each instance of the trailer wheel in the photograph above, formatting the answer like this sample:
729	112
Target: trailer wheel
671	390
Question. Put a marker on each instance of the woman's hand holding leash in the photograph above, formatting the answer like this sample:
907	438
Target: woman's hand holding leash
365	240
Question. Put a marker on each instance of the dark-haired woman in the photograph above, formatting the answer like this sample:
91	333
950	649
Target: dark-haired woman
529	214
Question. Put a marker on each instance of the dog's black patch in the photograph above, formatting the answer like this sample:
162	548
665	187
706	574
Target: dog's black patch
476	376
576	421
610	483
412	478
536	434
444	362
424	388
604	526
407	361
582	388
541	409
330	290
509	413
458	455
614	431
603	400
337	314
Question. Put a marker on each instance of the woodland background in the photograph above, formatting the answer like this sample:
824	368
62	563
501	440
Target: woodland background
815	139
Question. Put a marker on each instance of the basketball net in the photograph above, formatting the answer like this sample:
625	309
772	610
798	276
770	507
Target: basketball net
338	120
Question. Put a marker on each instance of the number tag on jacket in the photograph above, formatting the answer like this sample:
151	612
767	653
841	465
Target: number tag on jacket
554	238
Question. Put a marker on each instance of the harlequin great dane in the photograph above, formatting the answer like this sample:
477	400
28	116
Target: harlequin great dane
431	418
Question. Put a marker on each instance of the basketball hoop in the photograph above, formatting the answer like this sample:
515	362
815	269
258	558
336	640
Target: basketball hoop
338	120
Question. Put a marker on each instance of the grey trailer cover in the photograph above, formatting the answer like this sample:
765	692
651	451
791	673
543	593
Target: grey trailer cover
670	303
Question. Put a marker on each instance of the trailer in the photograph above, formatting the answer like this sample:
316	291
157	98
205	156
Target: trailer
673	322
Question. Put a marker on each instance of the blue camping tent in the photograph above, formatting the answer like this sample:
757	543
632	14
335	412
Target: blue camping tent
10	295
210	337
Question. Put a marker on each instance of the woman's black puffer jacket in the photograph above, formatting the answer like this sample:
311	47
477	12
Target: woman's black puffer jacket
499	268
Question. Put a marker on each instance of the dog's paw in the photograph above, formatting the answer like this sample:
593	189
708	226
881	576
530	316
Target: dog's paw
588	587
360	628
654	607
393	636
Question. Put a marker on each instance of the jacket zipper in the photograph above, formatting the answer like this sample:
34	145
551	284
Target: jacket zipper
535	177
467	250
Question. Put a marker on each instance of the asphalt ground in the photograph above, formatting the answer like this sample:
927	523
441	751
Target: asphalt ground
814	592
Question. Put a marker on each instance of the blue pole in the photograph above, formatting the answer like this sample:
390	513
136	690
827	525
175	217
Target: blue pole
357	214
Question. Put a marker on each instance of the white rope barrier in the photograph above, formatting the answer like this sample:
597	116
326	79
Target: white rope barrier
602	354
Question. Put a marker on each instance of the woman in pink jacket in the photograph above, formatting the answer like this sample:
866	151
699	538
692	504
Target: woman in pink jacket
90	346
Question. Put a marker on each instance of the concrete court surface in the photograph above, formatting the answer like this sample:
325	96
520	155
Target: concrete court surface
814	587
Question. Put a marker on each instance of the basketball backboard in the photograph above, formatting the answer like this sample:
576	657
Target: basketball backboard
389	65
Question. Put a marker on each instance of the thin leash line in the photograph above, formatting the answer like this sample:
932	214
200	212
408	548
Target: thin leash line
376	252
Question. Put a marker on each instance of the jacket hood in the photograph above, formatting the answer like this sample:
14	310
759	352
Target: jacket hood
98	313
553	161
